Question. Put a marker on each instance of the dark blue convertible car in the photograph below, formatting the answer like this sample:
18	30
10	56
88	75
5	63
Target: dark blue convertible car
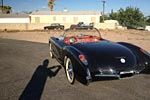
86	56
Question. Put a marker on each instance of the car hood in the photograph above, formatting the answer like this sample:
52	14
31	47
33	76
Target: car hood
105	54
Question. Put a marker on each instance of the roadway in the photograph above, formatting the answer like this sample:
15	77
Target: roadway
23	76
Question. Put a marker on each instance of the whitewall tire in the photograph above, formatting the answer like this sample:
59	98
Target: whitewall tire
69	71
50	51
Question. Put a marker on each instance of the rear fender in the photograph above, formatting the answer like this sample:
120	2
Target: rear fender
73	53
143	58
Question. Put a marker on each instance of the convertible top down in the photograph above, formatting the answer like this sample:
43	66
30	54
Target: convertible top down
86	56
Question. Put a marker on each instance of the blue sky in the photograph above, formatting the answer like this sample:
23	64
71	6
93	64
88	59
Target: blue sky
32	5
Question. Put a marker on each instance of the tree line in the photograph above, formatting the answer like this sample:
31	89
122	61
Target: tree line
130	17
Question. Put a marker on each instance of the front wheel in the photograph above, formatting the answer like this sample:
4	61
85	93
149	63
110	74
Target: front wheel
69	71
46	28
50	51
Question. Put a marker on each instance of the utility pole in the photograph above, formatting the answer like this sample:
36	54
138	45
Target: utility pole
2	6
103	9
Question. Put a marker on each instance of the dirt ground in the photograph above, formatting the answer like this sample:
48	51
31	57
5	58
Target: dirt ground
137	37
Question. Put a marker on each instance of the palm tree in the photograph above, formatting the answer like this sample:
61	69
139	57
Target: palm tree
51	4
6	9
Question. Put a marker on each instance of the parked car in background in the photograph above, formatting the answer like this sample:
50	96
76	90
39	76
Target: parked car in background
140	28
81	25
54	26
136	27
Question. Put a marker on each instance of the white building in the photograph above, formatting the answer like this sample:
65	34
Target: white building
14	18
147	28
65	17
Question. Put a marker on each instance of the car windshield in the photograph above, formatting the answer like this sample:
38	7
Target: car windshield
54	24
80	36
80	32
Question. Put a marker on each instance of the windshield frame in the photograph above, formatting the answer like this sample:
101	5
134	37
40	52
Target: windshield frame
66	30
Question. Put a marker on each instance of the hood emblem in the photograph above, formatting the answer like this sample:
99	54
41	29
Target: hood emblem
122	60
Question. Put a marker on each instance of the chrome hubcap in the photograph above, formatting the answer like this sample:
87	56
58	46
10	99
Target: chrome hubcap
69	71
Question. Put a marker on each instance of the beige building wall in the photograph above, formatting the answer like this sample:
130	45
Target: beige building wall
72	19
106	25
13	26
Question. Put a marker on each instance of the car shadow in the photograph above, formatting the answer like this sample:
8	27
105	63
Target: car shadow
35	87
106	79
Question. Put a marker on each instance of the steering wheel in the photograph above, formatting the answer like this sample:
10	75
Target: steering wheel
72	40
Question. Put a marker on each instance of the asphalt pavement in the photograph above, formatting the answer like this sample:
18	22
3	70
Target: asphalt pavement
28	73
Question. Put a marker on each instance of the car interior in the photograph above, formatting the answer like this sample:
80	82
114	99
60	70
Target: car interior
81	38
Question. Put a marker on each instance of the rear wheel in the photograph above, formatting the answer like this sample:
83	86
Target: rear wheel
50	51
69	71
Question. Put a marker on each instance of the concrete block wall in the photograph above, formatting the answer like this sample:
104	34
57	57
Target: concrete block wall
13	26
40	26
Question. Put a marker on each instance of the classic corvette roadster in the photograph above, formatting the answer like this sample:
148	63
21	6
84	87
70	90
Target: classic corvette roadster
85	55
